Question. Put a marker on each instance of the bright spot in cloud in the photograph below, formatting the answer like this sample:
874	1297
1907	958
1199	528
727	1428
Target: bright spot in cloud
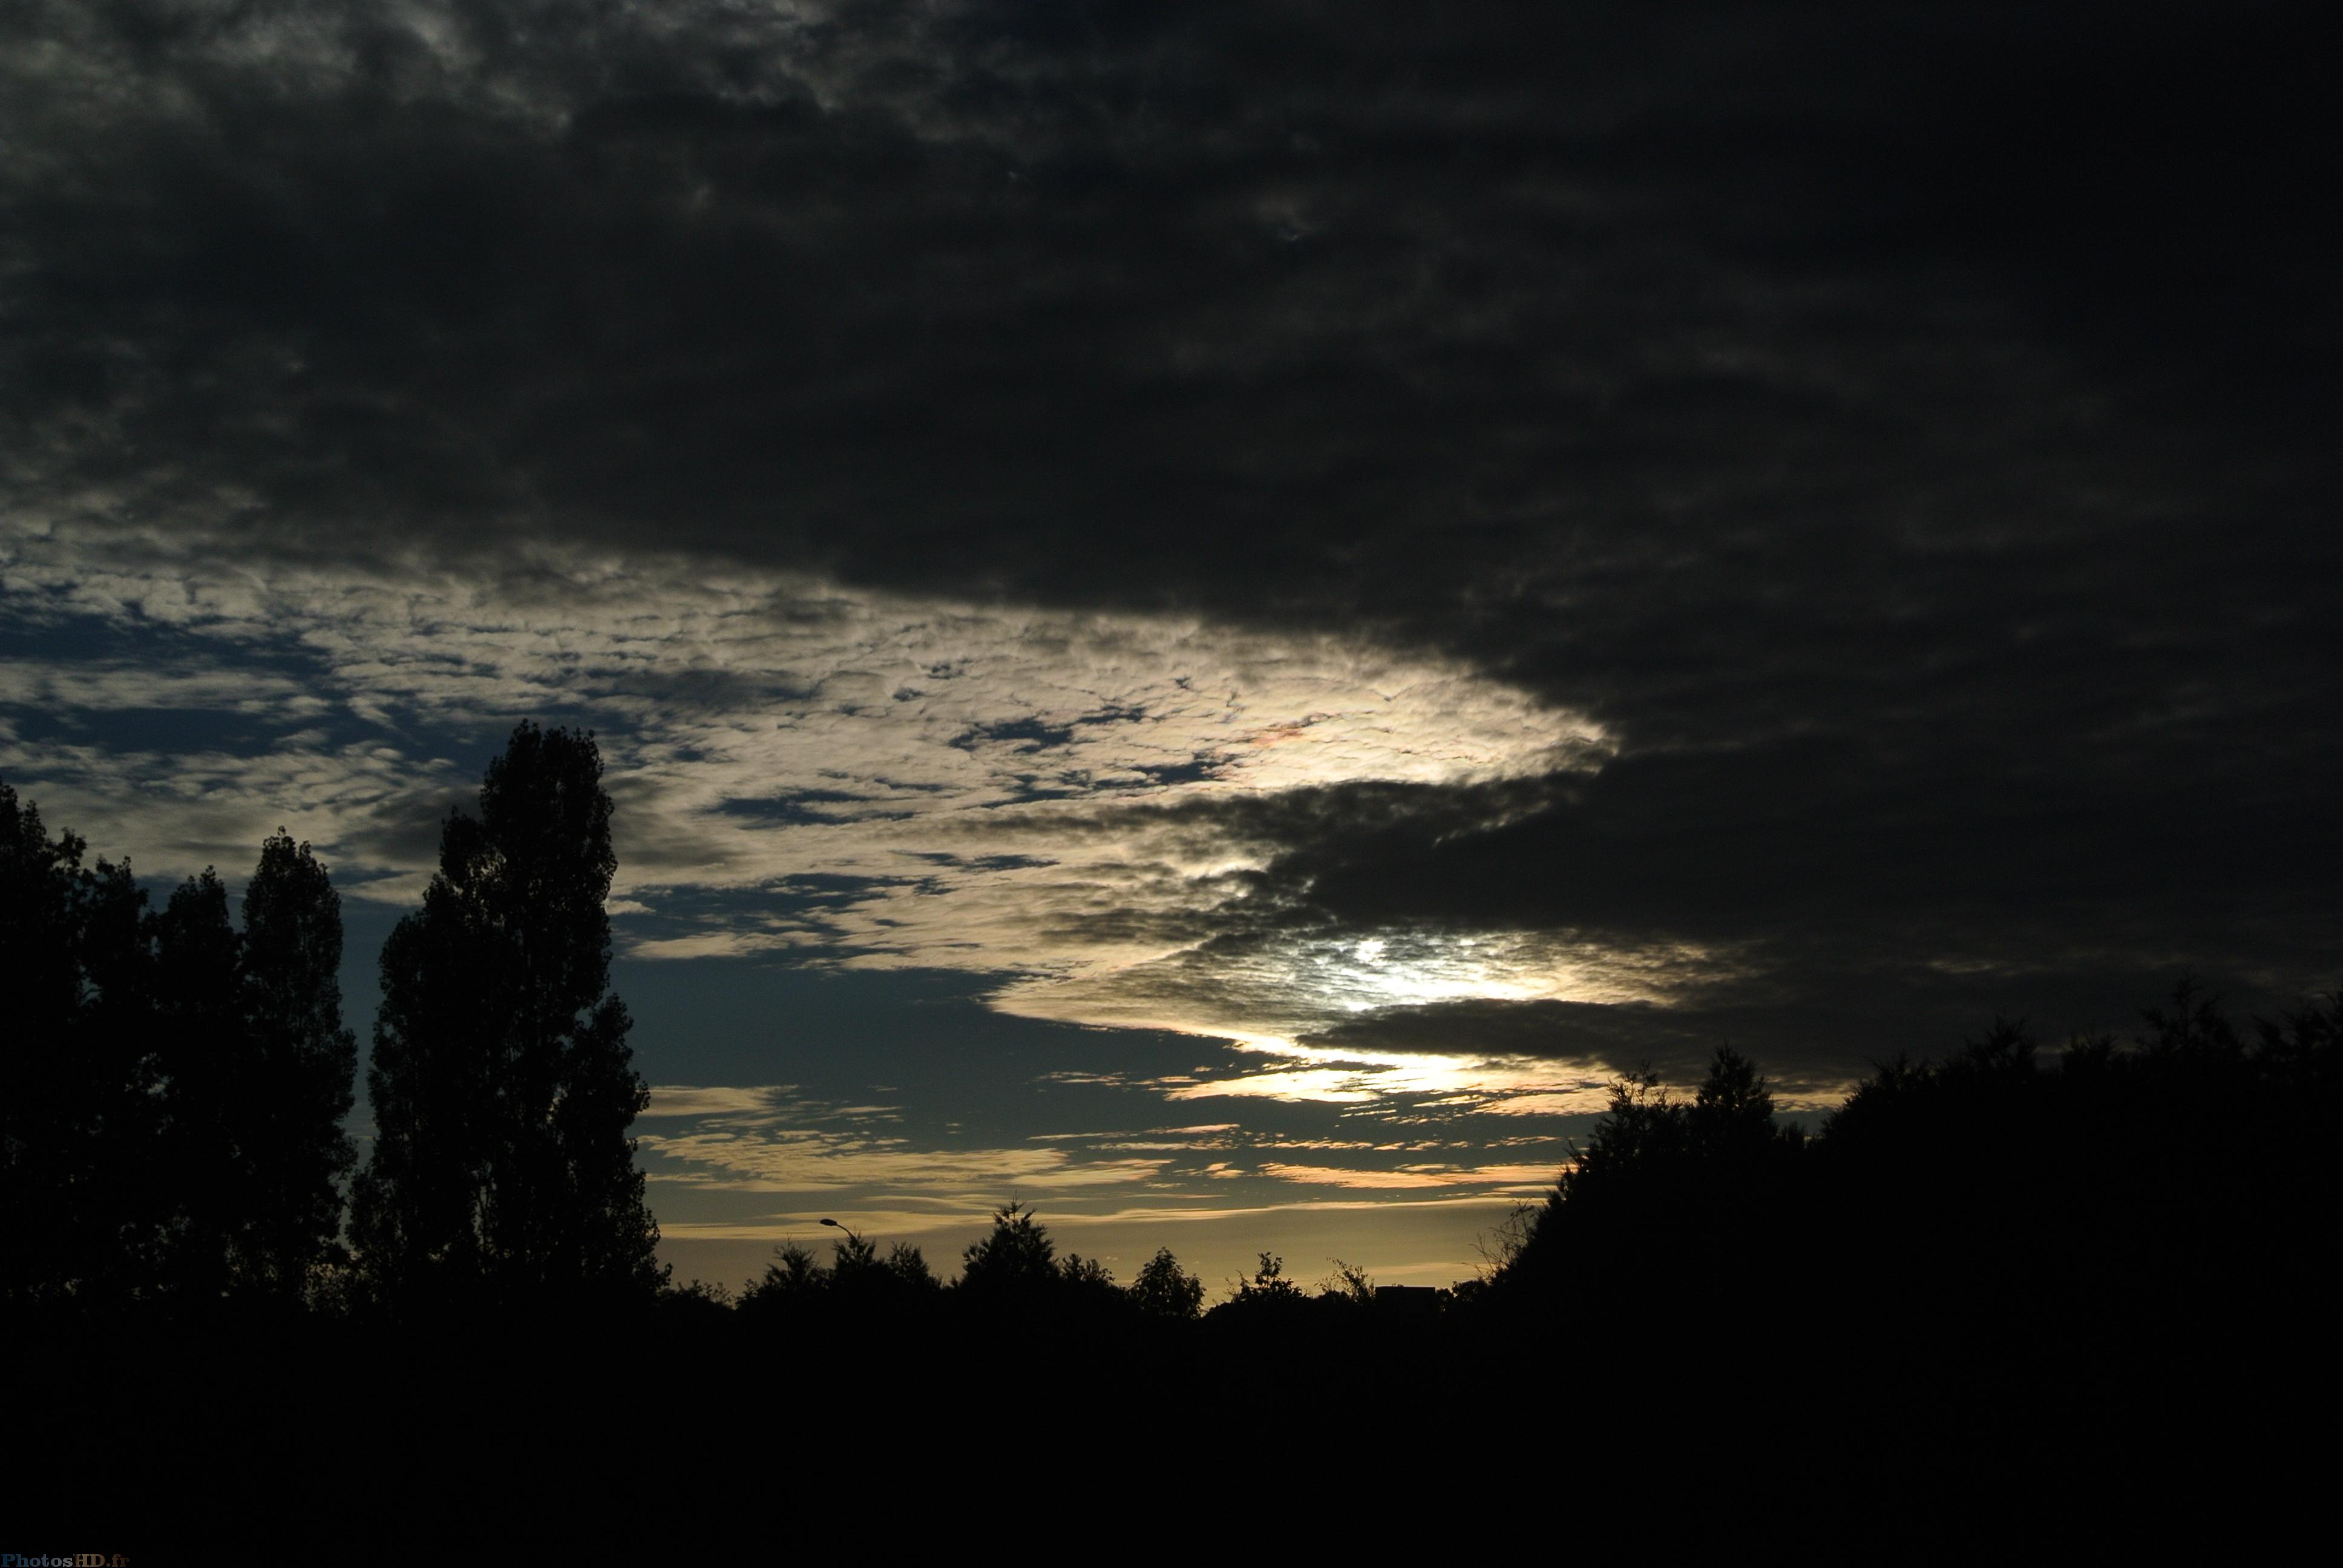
870	778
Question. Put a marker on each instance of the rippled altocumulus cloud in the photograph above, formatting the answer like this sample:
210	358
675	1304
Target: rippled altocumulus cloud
1083	803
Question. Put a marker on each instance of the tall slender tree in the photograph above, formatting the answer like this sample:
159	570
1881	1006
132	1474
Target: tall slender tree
293	1149
203	1044
39	876
170	1118
502	1083
257	1073
79	1216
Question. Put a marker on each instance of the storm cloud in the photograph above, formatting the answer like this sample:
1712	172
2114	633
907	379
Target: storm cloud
1513	540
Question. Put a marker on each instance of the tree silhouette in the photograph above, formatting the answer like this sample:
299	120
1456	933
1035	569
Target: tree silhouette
1087	1277
861	1282
911	1270
502	1083
302	1063
1268	1289
1165	1290
1015	1259
209	1085
81	1215
2172	1180
794	1278
255	1077
1670	1200
1349	1284
1733	1110
858	1288
175	1089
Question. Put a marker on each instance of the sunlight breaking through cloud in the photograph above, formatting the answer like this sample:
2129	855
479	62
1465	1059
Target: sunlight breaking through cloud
1340	1076
1270	992
1084	802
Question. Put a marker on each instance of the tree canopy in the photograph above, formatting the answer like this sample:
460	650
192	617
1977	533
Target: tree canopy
81	1207
176	1086
503	1086
1016	1256
295	1151
1165	1290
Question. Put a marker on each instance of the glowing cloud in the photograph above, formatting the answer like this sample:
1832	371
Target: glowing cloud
1069	800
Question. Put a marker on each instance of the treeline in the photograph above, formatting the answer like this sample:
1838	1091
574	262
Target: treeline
2000	1202
2106	1263
1014	1273
175	1085
171	1125
2130	1207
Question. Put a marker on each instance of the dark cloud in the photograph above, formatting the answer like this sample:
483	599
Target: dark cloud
1268	292
1906	428
1810	1029
1606	1039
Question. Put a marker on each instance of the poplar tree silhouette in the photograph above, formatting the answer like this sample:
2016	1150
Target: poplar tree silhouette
255	1071
171	1124
290	1140
208	1085
79	1219
502	1083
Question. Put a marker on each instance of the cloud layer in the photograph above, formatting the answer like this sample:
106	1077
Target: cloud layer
1451	549
1090	802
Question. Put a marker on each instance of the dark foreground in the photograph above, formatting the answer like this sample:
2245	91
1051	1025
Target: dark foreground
2081	1302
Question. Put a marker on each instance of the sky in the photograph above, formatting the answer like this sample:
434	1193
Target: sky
1205	616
